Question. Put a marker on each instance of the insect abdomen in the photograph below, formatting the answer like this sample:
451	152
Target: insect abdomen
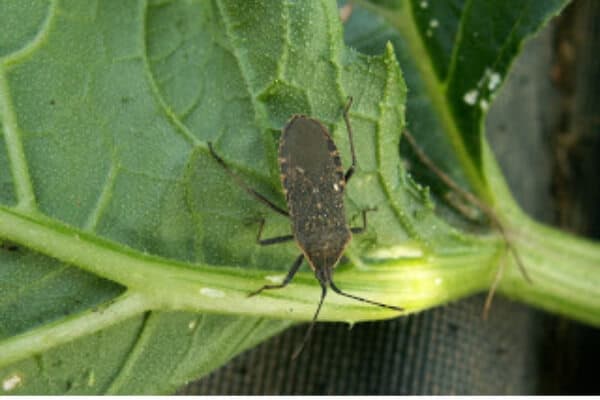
313	179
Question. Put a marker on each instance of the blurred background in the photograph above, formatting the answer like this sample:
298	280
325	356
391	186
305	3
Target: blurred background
545	130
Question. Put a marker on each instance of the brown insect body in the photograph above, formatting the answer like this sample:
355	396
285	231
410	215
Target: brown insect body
313	180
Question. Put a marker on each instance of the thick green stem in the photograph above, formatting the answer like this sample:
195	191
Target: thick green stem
413	283
565	271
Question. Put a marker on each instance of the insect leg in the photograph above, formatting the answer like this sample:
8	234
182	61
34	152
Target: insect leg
350	170
361	229
247	188
287	278
490	296
312	323
469	197
274	240
339	291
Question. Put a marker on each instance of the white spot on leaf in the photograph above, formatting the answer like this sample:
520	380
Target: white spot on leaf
12	382
471	97
438	281
274	278
210	292
394	252
494	80
434	23
484	105
424	4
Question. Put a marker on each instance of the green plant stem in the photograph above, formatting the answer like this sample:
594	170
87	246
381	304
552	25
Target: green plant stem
565	271
414	283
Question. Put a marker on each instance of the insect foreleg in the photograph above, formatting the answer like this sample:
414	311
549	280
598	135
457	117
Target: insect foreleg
243	184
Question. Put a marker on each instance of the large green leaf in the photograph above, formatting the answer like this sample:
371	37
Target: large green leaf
129	253
105	114
456	54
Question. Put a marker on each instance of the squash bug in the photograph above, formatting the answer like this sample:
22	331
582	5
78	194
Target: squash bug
313	181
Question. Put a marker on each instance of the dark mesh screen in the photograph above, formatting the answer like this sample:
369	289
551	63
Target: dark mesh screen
449	350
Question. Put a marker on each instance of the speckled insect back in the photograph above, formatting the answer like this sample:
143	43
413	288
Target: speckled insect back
313	181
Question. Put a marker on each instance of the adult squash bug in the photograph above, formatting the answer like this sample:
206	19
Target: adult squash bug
313	181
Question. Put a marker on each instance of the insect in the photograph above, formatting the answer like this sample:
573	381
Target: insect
313	181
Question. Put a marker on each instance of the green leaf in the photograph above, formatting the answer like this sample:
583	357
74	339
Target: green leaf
122	231
455	54
128	253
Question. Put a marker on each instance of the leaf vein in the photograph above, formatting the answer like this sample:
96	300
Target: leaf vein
38	40
135	351
105	196
457	43
335	51
180	127
16	153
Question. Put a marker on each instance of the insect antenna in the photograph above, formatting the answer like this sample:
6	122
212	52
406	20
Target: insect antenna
312	323
339	291
487	210
469	197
